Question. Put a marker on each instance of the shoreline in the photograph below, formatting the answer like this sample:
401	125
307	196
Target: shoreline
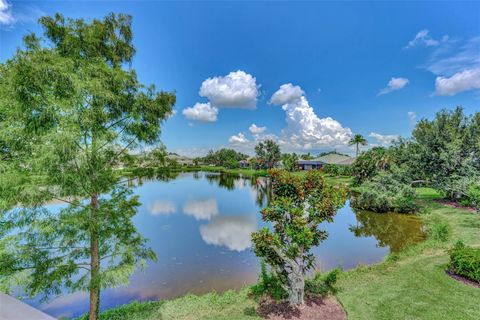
363	291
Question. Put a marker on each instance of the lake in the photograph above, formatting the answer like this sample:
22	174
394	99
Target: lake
199	224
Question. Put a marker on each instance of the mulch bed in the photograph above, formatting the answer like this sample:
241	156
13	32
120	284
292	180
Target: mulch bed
456	205
463	279
325	308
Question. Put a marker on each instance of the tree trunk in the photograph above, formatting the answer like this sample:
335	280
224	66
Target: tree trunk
358	148
296	279
94	264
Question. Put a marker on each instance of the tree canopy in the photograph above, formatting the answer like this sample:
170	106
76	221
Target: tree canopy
71	107
268	153
297	208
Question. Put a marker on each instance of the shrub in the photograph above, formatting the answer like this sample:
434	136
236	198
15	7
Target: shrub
440	231
337	170
473	196
322	283
384	194
331	169
465	261
268	285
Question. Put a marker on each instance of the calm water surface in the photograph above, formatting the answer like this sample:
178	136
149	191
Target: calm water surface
199	224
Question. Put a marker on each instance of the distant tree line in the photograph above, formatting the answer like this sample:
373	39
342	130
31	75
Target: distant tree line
227	158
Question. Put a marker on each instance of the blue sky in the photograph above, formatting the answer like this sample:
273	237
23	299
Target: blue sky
345	67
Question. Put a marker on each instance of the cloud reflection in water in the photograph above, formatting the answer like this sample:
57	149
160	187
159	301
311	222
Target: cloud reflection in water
232	232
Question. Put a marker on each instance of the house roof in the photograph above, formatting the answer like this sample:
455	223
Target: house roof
334	158
301	161
347	161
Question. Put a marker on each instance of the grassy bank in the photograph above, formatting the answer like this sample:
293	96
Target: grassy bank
414	285
409	285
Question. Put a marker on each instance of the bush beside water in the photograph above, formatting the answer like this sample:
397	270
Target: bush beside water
385	194
465	261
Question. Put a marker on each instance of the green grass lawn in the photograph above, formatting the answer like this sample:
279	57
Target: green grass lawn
416	286
409	285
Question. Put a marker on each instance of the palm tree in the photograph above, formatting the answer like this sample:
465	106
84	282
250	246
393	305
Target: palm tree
358	140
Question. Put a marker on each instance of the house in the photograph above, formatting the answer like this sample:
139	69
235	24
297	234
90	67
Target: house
331	158
335	158
309	164
181	160
243	164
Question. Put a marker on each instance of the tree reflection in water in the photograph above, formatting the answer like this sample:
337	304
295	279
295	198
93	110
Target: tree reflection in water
392	230
260	185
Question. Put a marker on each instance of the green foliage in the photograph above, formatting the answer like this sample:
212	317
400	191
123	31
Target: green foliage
465	261
227	158
307	156
385	194
440	231
268	285
297	208
406	162
331	169
322	283
338	170
72	108
289	161
472	197
370	163
268	154
133	310
358	140
321	154
449	150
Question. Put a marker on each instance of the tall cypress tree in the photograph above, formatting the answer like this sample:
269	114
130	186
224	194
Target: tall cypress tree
71	107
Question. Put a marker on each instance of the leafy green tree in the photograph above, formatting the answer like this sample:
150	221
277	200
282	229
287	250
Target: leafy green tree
306	156
75	107
297	208
268	153
358	140
290	161
449	150
369	163
228	158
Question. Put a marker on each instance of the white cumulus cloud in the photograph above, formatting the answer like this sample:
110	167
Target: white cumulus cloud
384	140
288	93
254	129
161	207
237	89
461	81
305	130
393	85
233	232
238	139
203	209
202	112
423	38
6	16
